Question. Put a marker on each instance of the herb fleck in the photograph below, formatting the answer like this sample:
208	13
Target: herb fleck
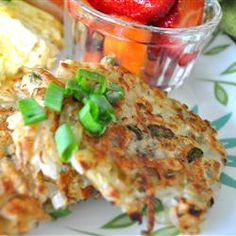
194	154
136	131
158	131
35	77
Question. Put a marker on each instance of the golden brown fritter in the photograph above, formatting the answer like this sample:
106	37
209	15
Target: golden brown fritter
20	205
156	149
30	172
66	186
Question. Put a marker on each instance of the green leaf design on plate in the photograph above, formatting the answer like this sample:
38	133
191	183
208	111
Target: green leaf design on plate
227	180
231	69
221	122
60	213
166	231
120	221
213	37
217	49
228	142
218	81
158	207
83	232
231	161
123	220
195	109
221	94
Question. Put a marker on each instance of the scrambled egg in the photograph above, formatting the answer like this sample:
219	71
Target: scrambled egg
29	38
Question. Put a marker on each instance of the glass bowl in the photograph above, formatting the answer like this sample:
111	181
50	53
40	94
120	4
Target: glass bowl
163	57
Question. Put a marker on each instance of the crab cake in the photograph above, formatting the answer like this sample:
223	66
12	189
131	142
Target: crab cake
28	161
157	149
29	142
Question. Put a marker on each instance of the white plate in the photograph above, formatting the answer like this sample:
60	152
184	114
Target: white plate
214	101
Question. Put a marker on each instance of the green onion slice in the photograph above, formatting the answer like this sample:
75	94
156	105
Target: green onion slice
114	93
72	88
54	97
91	82
31	112
88	117
106	111
66	142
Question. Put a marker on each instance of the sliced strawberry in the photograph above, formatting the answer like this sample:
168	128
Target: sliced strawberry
187	58
173	47
185	13
143	11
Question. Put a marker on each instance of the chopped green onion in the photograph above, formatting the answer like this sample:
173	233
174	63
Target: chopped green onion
91	82
88	116
106	111
54	97
114	93
94	109
72	88
31	111
194	153
66	142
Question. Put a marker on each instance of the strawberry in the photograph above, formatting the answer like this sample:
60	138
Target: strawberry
187	58
173	47
185	13
143	11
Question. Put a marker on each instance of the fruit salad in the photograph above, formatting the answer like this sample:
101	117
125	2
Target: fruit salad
156	39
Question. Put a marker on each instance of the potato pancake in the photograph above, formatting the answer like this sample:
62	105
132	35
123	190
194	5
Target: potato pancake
30	173
156	149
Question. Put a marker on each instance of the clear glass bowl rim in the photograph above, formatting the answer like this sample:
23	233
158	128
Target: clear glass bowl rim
212	23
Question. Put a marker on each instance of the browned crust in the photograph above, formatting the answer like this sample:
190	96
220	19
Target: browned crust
20	211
